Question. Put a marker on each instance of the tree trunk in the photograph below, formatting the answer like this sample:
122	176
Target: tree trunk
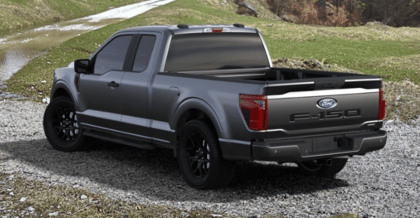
323	5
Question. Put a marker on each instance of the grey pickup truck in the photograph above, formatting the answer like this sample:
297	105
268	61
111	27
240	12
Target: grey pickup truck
210	93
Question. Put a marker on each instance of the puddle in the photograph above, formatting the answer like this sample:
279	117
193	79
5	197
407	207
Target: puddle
14	60
18	50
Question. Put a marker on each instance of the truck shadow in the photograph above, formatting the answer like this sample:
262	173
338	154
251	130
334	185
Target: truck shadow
154	174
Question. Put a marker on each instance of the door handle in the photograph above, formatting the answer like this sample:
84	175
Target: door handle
113	84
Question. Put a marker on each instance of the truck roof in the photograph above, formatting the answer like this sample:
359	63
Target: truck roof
187	29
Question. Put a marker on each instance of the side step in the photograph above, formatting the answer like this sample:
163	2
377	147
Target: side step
112	138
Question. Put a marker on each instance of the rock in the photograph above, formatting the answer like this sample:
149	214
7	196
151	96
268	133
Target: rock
185	214
289	18
11	194
282	60
249	8
83	197
270	25
76	186
53	214
23	199
43	81
389	122
328	66
31	209
46	100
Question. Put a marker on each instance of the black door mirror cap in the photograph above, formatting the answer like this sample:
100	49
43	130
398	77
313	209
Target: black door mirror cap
81	65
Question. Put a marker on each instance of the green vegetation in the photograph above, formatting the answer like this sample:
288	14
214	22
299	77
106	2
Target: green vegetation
66	201
392	53
19	15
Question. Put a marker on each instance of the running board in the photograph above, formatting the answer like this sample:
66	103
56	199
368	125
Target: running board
112	138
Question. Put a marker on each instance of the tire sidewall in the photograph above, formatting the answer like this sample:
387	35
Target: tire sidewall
49	129
194	127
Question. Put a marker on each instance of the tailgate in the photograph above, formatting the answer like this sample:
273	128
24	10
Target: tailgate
323	106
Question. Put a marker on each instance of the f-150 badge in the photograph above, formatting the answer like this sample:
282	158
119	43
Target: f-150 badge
327	103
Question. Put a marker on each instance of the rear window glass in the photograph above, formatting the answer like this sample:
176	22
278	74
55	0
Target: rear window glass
211	51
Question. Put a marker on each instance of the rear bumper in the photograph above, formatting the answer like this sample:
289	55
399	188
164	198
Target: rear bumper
303	149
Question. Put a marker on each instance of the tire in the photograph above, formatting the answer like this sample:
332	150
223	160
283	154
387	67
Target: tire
200	158
62	128
310	167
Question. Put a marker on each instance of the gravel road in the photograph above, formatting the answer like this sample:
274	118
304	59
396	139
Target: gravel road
384	183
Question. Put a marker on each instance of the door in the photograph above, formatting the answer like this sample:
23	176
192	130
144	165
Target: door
100	91
134	89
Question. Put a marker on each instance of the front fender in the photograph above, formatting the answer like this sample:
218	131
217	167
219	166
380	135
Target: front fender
61	84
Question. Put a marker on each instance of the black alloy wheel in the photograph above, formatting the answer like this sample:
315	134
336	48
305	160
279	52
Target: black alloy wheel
200	158
65	124
62	127
198	155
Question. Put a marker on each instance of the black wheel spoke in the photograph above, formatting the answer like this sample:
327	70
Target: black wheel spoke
200	170
194	141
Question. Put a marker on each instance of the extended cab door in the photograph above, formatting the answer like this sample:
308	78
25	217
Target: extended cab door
100	91
134	87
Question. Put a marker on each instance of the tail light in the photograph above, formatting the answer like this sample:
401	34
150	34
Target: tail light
381	105
254	110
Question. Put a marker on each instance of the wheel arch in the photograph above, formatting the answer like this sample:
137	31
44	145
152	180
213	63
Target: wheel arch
60	89
194	109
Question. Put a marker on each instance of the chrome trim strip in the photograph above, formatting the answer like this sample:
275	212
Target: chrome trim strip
283	130
164	126
266	50
113	130
234	141
362	80
239	75
161	140
305	94
101	114
165	54
291	84
217	72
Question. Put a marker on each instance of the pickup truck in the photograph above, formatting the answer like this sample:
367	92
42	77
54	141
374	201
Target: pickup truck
210	93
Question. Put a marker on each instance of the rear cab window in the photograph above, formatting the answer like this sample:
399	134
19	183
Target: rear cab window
211	51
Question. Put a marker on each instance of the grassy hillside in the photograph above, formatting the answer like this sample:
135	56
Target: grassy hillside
21	15
392	53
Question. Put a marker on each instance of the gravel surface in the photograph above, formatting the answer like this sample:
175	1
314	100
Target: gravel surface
384	183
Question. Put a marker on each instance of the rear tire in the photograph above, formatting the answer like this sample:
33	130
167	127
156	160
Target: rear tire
200	158
310	167
61	126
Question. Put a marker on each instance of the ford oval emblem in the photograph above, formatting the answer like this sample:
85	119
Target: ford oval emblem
327	103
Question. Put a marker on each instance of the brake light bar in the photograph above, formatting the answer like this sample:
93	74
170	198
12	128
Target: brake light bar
254	111
381	114
215	30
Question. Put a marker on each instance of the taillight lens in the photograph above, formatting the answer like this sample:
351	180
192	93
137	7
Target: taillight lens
254	110
381	105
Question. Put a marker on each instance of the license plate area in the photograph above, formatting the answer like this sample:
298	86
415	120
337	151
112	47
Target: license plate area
331	144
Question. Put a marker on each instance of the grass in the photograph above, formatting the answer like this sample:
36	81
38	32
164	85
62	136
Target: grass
43	199
392	53
21	15
67	201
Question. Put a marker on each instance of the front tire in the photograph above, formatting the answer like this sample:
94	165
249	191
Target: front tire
61	126
200	158
310	167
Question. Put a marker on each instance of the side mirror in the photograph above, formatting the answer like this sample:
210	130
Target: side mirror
81	65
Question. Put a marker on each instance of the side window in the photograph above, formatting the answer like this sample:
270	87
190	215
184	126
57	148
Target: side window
112	56
143	53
